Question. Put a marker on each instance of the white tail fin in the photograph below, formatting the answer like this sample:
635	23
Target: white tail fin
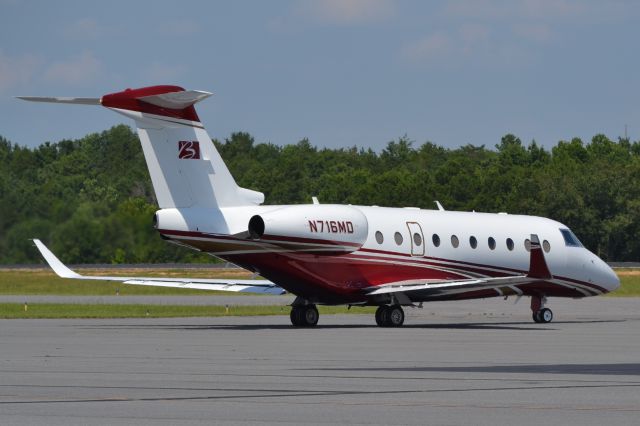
185	167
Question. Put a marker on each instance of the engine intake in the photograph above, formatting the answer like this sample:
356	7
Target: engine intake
256	227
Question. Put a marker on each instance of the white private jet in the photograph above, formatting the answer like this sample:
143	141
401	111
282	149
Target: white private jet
337	254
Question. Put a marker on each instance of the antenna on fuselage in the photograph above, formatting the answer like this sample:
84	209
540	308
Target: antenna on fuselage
439	206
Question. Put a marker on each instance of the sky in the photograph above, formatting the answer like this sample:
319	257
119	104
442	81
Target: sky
341	73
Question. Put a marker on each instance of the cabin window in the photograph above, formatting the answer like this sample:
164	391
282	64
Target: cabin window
379	237
510	244
417	239
398	237
473	242
492	243
546	246
527	244
570	240
436	240
454	241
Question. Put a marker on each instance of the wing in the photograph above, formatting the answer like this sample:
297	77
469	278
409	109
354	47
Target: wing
247	286
538	271
437	288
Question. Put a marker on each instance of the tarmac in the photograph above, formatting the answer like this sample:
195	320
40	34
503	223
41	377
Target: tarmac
454	363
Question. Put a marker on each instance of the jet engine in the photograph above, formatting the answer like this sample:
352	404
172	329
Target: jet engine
320	227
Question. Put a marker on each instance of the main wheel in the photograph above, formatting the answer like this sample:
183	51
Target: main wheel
545	315
381	315
310	316
395	316
296	316
304	316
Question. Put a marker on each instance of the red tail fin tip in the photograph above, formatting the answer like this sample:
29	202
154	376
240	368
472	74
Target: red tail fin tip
168	101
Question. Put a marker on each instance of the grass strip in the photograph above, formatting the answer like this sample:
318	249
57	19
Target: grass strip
54	310
629	284
45	282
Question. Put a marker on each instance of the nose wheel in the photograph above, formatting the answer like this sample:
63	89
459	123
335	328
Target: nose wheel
540	313
543	315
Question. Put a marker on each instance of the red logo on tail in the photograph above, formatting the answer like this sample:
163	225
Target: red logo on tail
189	150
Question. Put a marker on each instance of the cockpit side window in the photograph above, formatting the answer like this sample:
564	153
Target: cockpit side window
570	240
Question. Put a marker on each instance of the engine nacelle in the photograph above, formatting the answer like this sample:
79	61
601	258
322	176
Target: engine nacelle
311	228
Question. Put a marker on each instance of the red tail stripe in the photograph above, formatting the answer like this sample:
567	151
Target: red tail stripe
129	100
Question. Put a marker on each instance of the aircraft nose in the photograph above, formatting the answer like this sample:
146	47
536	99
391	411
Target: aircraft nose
614	281
605	276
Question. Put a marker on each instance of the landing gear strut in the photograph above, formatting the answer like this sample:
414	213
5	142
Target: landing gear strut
390	316
304	315
540	313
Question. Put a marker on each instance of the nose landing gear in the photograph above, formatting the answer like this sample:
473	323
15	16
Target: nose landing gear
540	313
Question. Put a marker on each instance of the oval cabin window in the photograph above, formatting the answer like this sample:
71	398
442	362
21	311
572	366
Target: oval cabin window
473	242
510	244
454	241
398	237
417	239
436	240
492	243
379	237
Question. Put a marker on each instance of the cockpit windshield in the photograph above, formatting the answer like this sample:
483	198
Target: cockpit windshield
570	239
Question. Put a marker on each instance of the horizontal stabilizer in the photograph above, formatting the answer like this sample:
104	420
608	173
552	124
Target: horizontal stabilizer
61	100
172	100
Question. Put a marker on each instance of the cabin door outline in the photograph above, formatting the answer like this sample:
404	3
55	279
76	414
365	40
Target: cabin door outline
416	237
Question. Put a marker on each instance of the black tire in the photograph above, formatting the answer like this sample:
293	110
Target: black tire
545	315
304	316
536	316
295	316
310	316
380	315
395	316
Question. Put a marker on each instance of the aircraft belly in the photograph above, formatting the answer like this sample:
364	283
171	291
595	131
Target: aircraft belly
320	274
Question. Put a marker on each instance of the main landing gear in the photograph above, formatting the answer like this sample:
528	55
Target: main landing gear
540	313
390	316
304	315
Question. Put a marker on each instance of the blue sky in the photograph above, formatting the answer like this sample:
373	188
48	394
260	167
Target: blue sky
339	72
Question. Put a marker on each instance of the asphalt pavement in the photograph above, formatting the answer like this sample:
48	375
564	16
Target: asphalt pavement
465	363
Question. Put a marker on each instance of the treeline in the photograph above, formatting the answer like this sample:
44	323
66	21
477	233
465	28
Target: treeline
92	201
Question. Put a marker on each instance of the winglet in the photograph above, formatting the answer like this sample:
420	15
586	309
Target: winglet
537	265
55	263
